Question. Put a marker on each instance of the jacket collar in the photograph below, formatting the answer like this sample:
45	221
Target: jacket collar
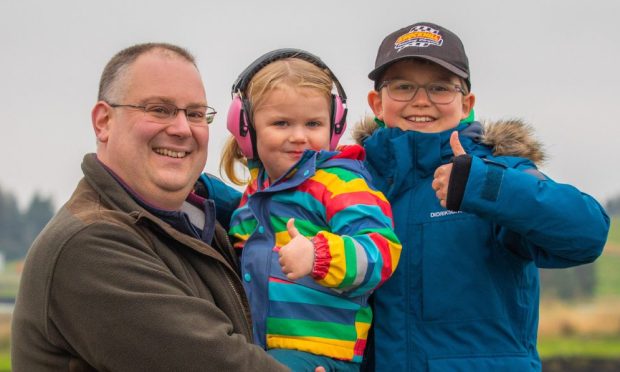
410	149
196	218
299	172
348	157
400	158
507	137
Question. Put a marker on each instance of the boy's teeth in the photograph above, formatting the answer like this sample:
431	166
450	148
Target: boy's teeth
420	119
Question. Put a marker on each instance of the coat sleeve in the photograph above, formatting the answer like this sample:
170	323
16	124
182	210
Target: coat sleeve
117	304
242	223
226	198
360	251
553	224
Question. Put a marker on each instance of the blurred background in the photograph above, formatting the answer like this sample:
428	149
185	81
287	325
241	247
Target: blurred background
551	64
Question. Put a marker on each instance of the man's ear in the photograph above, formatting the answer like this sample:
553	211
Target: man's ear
375	103
468	105
101	117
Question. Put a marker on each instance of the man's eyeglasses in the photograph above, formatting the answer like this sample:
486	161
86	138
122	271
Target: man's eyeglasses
164	113
439	93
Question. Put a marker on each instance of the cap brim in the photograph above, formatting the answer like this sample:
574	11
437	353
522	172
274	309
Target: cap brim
374	74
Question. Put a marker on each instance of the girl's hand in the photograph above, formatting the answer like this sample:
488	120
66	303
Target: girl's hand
297	256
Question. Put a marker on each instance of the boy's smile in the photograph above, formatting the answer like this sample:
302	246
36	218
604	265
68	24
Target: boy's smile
420	114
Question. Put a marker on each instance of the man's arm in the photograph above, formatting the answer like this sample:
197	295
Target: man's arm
120	306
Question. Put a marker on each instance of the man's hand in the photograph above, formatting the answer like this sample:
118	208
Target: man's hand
442	174
297	256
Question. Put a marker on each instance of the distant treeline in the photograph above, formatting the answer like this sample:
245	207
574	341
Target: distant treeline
613	206
572	283
18	229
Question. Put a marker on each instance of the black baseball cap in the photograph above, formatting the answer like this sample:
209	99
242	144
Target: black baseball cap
427	41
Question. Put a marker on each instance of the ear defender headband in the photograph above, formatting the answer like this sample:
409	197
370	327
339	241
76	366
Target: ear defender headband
238	121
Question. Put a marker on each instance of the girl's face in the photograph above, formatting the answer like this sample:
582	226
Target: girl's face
288	121
420	113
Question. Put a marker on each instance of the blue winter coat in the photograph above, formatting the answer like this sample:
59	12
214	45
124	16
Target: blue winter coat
465	294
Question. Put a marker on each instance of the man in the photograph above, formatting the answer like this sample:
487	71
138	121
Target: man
133	273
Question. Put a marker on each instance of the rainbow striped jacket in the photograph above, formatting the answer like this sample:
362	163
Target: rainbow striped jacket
329	195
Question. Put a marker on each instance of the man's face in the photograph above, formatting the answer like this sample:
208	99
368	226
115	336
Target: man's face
160	162
420	114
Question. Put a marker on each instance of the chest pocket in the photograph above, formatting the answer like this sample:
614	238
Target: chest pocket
458	273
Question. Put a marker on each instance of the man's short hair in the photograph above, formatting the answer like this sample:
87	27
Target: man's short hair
118	65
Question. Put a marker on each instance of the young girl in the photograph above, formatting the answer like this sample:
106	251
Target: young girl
316	238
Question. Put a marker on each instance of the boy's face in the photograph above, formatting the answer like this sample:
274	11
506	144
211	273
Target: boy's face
420	113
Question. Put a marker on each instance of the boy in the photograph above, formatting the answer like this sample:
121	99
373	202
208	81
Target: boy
465	294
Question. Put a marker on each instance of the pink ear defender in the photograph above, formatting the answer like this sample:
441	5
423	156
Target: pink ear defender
338	120
238	121
239	125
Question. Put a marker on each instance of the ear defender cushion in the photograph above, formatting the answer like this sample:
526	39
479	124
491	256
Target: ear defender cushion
238	124
339	121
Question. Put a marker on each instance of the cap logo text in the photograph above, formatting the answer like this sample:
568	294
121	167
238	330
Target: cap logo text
419	36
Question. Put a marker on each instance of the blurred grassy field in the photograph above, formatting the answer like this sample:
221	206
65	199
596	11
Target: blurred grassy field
587	328
586	346
5	361
608	272
5	331
614	233
9	279
9	282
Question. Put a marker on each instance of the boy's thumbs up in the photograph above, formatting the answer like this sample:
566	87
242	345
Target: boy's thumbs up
455	143
442	174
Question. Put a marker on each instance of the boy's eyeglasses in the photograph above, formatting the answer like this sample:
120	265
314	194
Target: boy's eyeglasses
164	113
439	93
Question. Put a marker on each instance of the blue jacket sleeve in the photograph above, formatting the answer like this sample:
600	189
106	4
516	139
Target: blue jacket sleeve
225	197
553	224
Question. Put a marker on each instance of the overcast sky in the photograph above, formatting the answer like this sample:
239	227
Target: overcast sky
553	64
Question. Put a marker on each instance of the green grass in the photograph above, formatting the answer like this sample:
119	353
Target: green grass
9	281
607	273
597	347
5	361
608	276
614	231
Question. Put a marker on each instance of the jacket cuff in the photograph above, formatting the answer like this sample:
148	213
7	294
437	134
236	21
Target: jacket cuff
322	257
461	166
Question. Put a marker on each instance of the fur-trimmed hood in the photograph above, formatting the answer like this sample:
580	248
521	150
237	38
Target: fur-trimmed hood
512	137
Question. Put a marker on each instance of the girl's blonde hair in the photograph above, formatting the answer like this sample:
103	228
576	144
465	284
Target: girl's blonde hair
291	72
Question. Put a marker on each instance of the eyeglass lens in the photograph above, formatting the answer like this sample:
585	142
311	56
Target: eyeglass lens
438	92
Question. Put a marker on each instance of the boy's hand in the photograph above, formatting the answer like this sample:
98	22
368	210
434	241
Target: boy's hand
297	256
442	174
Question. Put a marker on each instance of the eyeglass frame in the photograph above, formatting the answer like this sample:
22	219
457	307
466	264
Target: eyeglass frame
456	88
208	118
